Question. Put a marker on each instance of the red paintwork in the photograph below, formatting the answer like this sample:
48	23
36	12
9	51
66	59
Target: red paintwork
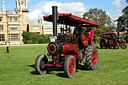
94	58
85	21
71	66
65	48
82	56
111	42
60	15
91	36
85	39
72	47
68	47
70	35
71	20
51	65
73	54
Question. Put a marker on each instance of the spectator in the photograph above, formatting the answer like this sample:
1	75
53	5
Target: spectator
7	47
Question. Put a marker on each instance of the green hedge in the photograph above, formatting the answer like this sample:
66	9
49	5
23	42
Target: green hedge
32	38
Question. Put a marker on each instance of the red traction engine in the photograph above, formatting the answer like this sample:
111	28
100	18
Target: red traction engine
111	41
68	50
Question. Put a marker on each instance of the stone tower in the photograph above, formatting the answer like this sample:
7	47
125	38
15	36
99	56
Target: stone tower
23	4
3	9
22	9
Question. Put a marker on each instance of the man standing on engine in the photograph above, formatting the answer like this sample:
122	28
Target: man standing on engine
91	35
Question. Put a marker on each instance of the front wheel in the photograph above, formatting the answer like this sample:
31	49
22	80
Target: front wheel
116	45
103	44
70	66
39	64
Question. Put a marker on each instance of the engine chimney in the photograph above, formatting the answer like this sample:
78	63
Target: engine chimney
54	18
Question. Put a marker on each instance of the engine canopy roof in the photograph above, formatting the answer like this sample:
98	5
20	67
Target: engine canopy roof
71	20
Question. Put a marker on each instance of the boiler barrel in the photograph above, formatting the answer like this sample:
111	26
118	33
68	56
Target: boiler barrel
60	48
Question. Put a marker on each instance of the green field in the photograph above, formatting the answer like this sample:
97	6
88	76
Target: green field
17	68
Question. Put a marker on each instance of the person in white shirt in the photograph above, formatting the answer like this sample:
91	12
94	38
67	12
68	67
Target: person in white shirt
7	47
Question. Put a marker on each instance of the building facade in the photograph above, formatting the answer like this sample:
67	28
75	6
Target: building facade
13	23
35	28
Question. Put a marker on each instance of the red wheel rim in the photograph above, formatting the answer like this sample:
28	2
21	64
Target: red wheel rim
94	58
71	66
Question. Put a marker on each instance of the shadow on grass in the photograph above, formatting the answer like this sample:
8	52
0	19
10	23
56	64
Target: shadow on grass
33	72
60	70
49	71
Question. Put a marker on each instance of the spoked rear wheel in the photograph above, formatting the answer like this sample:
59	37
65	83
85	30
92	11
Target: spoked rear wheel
123	45
92	58
70	66
39	64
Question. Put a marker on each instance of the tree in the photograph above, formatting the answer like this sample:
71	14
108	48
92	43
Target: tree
123	20
101	17
32	38
98	15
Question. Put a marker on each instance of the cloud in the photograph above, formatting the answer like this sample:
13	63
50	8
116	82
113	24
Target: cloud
116	3
29	1
117	14
34	14
45	8
108	13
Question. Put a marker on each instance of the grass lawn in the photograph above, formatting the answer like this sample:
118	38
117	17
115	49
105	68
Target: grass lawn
17	68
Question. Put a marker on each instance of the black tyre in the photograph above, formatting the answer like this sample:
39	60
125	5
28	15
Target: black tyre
39	64
116	45
70	66
92	58
123	45
103	44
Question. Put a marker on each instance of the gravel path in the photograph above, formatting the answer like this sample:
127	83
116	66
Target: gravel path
23	45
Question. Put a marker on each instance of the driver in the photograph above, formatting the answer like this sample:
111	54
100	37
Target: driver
77	31
91	35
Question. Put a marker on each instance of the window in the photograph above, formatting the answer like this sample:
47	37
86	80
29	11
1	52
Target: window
2	37
1	18
13	27
1	27
22	2
48	30
35	27
14	37
13	19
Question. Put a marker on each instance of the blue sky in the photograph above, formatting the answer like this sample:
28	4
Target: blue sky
39	8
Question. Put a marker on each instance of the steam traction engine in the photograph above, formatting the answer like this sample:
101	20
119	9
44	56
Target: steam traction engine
68	50
111	41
